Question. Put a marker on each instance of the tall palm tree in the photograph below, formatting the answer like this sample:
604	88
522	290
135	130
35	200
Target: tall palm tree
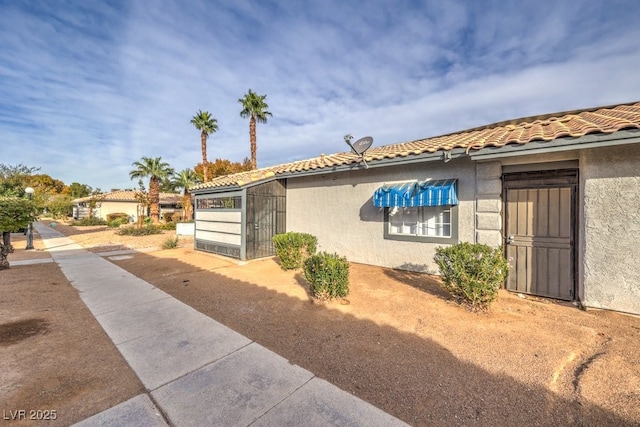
186	179
156	170
254	107
206	124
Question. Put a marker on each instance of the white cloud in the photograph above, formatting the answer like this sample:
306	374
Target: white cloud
85	90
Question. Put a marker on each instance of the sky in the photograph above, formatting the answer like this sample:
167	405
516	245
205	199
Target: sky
89	87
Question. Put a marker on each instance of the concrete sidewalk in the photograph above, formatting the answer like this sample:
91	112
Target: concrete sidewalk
196	370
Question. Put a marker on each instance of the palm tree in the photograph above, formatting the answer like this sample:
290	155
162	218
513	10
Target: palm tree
206	124
156	170
186	179
253	106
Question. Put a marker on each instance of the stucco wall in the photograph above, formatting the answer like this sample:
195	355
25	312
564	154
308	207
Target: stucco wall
610	232
338	209
130	208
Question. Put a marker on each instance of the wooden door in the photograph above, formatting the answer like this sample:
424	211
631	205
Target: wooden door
540	229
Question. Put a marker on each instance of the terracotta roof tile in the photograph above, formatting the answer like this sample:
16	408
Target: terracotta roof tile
520	131
130	196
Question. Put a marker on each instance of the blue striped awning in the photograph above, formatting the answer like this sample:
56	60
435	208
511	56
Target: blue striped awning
441	192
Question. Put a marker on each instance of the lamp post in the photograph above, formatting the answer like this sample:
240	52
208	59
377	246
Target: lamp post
29	192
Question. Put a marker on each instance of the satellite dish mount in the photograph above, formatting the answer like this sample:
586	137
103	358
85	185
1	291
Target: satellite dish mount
359	147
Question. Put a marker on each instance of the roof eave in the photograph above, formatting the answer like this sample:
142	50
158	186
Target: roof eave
371	164
594	140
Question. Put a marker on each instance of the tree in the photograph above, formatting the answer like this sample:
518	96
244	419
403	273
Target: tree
206	124
59	205
144	201
254	107
222	167
95	201
77	190
46	185
14	179
156	170
15	213
186	179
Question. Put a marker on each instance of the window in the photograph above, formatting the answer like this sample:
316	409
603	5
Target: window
219	203
437	224
434	221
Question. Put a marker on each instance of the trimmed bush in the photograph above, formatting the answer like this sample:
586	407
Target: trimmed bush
176	217
120	216
328	275
85	222
293	248
472	273
167	216
142	231
168	226
116	223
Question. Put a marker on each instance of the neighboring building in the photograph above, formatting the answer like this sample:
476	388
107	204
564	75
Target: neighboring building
123	201
560	192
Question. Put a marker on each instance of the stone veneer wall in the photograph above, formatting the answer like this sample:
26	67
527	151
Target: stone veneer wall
489	203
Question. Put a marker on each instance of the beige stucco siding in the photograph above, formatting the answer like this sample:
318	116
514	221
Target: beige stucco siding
130	208
610	231
338	209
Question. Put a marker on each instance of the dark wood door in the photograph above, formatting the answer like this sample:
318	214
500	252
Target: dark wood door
540	241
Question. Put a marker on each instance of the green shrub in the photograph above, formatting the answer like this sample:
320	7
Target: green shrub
170	243
176	217
472	273
115	223
328	275
120	216
168	226
142	231
167	216
85	222
293	248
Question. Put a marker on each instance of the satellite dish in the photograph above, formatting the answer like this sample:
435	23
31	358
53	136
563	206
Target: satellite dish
360	146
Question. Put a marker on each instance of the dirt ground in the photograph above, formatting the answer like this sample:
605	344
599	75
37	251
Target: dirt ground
58	365
399	342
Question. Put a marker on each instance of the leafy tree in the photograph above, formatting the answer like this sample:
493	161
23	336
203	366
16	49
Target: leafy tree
15	213
254	107
186	179
156	170
222	167
14	179
60	205
77	190
144	201
46	185
206	124
95	201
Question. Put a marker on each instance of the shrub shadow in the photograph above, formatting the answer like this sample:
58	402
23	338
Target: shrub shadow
411	377
425	282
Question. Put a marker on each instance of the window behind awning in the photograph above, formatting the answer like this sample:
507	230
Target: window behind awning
441	192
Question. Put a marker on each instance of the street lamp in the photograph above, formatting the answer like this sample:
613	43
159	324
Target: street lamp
29	192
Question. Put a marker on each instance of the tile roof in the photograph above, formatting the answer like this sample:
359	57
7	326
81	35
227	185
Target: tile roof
130	196
519	131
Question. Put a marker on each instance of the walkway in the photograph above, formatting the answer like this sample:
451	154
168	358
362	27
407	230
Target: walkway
196	370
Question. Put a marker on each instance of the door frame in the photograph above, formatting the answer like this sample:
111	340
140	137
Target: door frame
546	179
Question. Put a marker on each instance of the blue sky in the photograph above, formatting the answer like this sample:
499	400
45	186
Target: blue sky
89	87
